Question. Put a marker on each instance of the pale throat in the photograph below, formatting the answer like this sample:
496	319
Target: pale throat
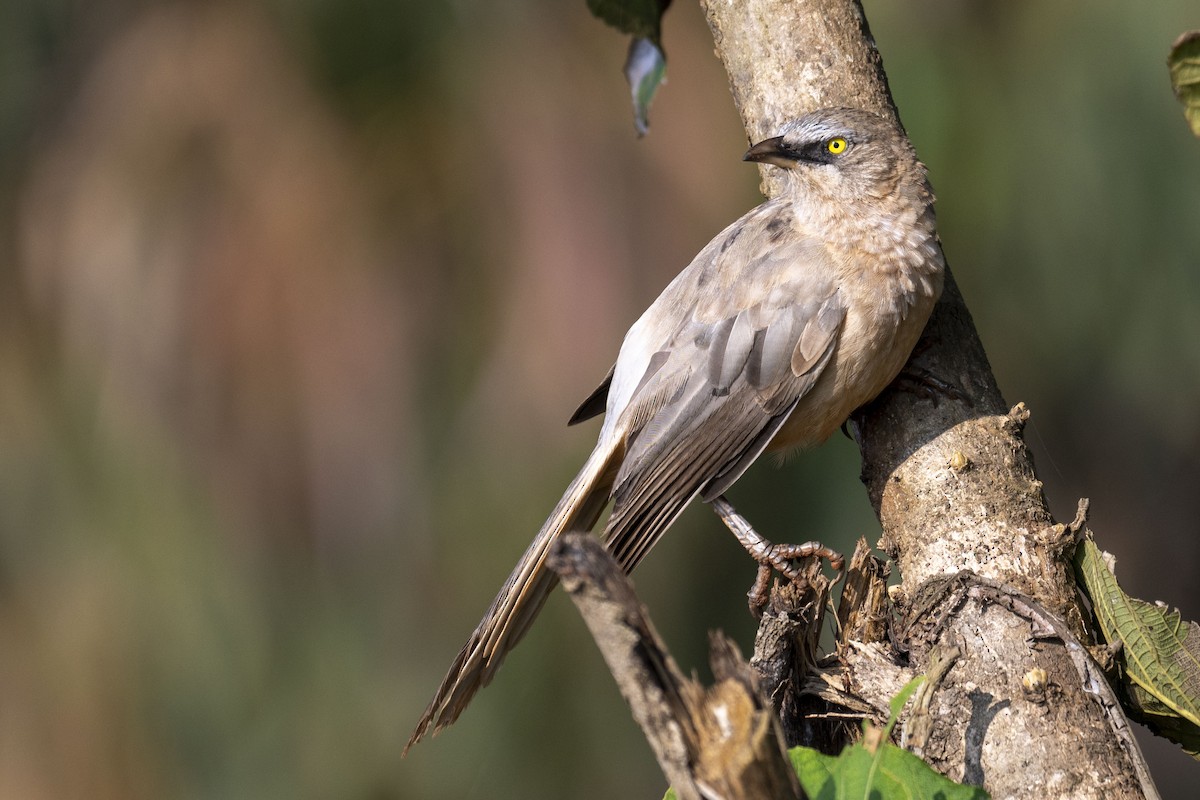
892	236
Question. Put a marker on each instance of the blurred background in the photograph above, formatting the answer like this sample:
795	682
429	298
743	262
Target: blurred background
296	297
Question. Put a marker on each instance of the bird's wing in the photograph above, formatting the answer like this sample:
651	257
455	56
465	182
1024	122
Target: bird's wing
595	403
742	335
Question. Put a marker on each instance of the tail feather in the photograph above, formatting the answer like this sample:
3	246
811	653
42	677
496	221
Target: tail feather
523	594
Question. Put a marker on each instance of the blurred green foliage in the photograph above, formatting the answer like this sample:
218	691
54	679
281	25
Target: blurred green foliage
296	298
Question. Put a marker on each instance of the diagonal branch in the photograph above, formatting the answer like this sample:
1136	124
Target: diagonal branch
946	469
717	742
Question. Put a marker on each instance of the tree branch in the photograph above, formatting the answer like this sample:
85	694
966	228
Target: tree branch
947	472
714	742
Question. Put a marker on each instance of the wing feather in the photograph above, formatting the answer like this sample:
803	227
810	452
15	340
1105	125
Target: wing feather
594	405
718	386
727	362
818	332
772	354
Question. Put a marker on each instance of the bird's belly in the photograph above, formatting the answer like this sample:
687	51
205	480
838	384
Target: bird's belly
866	361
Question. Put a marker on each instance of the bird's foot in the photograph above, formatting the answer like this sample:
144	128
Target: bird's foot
780	558
926	385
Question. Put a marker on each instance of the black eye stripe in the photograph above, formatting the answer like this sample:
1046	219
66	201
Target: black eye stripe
820	151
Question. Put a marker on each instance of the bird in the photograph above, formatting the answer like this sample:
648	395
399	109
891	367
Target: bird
790	319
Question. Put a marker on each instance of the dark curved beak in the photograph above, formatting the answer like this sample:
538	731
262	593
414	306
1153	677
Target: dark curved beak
772	151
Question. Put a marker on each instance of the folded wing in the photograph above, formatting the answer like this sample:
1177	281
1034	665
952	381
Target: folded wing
717	387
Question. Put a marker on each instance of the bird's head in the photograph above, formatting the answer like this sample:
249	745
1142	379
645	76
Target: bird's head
843	151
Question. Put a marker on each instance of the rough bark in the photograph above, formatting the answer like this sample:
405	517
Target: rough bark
716	742
952	482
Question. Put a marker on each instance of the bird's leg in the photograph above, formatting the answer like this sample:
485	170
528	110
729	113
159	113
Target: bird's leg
771	556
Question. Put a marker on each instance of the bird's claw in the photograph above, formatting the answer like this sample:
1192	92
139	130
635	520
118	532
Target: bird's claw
780	558
773	557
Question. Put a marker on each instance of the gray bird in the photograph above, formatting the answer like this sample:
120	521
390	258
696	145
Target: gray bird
790	319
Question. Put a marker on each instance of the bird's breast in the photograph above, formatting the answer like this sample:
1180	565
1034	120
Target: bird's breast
884	320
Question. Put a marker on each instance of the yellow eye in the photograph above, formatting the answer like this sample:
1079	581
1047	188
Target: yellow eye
836	145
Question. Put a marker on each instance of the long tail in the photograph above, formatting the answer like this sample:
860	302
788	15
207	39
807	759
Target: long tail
523	594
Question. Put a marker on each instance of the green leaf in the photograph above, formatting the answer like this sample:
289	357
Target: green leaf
638	18
1164	722
875	769
645	69
646	64
891	774
1184	63
1160	651
897	704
